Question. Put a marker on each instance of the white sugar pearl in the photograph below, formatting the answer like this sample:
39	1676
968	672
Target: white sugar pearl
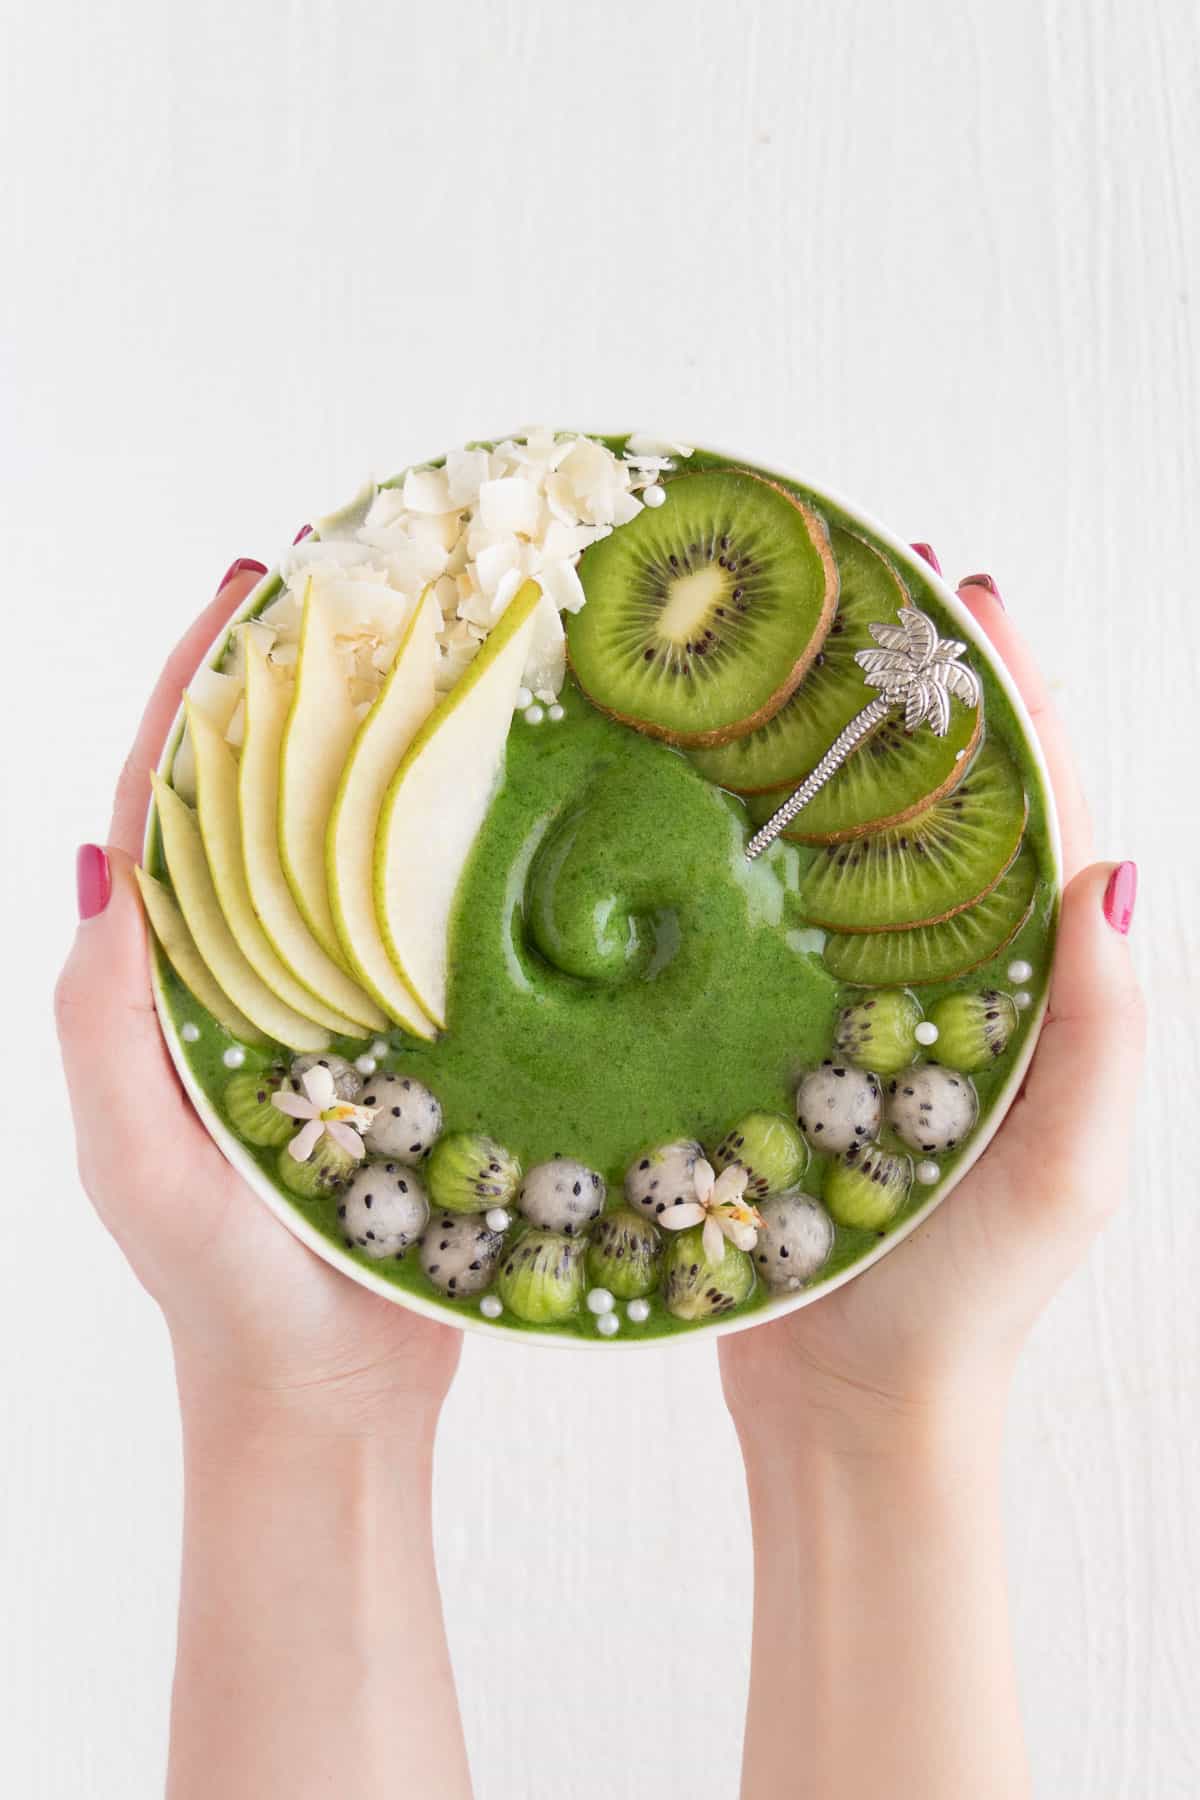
926	1032
927	1173
639	1311
608	1324
499	1219
556	713
366	1065
600	1301
1019	971
653	495
1023	999
490	1306
524	698
190	1033
234	1057
534	715
379	1048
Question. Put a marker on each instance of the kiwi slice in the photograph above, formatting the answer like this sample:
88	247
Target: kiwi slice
889	778
705	613
934	865
943	951
797	737
973	1028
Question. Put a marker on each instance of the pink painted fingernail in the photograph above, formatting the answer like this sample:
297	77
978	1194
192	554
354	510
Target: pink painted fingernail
241	567
304	531
986	582
93	880
1120	896
926	550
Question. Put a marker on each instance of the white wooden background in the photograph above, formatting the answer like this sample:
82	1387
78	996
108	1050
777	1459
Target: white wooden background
942	256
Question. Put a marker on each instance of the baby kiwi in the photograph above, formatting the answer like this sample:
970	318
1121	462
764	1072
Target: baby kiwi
541	1278
625	1254
694	1288
973	1029
866	1187
468	1173
247	1101
327	1171
769	1147
879	1031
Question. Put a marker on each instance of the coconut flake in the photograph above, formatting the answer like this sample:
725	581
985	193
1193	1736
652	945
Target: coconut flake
512	504
427	491
644	443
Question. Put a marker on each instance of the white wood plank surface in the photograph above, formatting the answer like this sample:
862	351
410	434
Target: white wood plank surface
943	257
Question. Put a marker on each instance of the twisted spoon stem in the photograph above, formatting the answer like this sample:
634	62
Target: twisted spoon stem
846	742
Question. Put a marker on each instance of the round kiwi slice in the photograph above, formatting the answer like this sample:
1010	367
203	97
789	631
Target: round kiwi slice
704	614
936	864
797	737
944	951
892	776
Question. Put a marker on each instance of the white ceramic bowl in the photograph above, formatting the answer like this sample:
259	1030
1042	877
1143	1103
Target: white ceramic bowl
467	1317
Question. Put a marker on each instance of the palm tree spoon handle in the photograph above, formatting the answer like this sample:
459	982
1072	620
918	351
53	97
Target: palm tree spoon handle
913	669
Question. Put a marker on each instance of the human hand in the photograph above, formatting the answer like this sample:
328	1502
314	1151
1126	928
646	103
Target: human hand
936	1325
256	1319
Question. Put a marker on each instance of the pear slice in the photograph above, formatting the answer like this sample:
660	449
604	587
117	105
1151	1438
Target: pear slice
183	848
320	729
179	948
437	801
405	702
268	698
221	830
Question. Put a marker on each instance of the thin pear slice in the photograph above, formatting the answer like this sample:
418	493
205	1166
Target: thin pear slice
316	742
268	698
179	948
404	704
183	848
437	801
221	830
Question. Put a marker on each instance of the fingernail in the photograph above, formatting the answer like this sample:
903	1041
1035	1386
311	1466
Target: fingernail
93	880
984	581
926	550
241	567
1120	895
303	532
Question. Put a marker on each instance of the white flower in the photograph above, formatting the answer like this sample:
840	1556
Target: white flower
719	1206
323	1112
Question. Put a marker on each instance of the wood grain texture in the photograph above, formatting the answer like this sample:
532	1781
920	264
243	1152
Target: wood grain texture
943	257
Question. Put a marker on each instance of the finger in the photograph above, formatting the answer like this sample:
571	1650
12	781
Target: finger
1064	1147
133	788
118	1070
987	610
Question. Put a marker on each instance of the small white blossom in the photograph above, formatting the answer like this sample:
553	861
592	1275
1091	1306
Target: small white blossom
719	1206
323	1113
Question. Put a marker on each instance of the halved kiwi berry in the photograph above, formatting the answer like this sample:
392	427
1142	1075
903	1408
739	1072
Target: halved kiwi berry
936	864
892	776
703	615
933	953
797	737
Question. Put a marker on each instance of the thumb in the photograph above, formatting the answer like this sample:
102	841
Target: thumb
1068	1135
119	1073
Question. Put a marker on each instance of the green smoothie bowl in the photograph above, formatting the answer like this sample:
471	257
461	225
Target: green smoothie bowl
603	890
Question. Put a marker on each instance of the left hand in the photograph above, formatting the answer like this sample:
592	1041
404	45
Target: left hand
256	1319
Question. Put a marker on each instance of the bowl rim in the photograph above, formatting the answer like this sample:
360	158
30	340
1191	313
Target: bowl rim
474	1321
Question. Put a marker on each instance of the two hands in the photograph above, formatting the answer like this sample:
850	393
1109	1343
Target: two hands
870	1421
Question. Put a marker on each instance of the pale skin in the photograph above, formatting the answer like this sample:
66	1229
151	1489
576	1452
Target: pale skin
312	1656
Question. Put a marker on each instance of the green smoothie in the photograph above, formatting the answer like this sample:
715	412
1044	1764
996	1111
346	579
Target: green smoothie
622	977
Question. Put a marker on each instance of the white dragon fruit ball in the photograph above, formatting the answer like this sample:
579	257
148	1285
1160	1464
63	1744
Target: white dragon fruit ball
562	1195
932	1108
838	1106
384	1210
408	1118
795	1242
459	1253
347	1082
663	1177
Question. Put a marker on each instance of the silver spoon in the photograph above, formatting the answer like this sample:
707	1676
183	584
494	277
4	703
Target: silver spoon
913	669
